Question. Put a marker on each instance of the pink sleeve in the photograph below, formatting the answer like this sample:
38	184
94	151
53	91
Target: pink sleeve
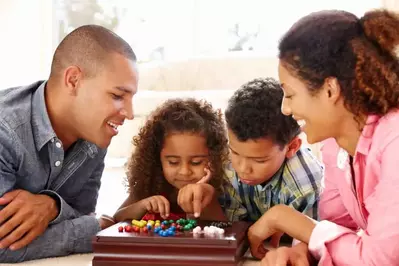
379	243
331	207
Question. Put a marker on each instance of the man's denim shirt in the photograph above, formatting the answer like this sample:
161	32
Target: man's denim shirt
32	158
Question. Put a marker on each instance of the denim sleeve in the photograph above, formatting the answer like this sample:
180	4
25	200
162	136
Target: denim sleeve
8	160
83	204
72	232
67	237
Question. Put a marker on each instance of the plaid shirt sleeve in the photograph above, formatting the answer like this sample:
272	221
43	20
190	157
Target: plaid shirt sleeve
230	200
303	183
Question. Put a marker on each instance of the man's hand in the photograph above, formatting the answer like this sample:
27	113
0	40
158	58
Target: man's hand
25	217
193	198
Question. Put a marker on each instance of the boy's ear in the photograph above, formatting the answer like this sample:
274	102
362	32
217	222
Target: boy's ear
293	147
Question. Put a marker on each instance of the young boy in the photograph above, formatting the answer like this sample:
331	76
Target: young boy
268	165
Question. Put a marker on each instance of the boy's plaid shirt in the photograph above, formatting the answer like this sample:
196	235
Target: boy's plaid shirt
297	184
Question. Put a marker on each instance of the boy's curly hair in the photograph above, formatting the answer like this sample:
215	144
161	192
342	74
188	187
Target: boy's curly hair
254	112
144	171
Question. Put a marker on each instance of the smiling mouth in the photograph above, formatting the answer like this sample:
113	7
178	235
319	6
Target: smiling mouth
113	126
301	122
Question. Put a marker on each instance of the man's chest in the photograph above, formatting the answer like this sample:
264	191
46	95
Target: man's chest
52	169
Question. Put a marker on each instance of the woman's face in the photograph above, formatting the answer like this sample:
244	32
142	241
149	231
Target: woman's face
316	113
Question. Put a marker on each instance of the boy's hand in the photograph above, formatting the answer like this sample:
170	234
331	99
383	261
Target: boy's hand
193	198
156	204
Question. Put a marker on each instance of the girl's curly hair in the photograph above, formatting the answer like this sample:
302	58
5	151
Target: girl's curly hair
361	53
144	170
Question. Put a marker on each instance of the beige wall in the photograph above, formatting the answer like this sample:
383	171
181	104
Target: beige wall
26	43
391	4
211	78
227	71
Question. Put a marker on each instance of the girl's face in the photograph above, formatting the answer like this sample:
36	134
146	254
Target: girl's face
317	115
184	157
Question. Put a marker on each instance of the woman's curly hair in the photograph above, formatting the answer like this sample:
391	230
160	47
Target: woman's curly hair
144	171
360	53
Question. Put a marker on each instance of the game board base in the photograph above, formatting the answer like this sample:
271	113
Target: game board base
113	248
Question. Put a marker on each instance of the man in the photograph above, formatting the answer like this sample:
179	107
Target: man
53	140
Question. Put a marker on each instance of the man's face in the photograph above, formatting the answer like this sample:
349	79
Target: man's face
255	161
103	102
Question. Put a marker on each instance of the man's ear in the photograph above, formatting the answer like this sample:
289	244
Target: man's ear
332	89
72	78
293	147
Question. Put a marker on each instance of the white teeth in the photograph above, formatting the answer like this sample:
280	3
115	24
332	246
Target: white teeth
301	123
112	125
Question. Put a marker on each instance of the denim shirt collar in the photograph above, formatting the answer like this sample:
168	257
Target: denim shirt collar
41	126
43	131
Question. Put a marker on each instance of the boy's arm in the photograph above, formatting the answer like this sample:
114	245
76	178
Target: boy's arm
130	209
302	178
307	204
231	203
213	212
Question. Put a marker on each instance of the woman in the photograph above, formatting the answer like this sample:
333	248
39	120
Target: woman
340	80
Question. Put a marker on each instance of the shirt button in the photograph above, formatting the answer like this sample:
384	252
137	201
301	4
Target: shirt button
57	163
58	145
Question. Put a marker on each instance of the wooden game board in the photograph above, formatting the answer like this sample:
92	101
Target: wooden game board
111	247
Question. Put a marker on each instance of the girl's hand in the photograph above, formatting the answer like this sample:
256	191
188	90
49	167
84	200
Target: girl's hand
206	177
156	204
193	198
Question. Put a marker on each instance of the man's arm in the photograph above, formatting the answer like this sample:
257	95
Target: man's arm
85	202
64	238
80	230
8	161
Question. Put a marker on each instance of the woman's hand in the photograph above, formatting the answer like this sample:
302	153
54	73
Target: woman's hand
276	221
297	255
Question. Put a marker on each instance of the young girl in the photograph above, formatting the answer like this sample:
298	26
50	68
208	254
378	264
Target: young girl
181	141
340	77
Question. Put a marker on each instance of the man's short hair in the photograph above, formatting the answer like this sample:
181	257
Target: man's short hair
89	47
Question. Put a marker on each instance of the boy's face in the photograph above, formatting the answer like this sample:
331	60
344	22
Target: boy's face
255	161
